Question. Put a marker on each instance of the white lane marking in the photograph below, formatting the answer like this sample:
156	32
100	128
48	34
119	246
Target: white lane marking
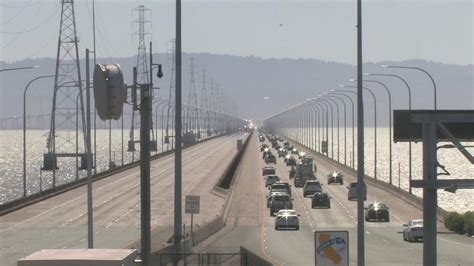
454	242
367	232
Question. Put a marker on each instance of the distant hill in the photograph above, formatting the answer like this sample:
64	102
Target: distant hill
247	80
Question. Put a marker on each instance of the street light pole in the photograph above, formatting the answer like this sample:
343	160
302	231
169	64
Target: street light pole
422	70
345	127
329	107
409	107
18	68
342	93
331	101
375	125
389	124
24	124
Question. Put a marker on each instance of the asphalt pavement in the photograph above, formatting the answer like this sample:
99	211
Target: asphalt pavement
250	224
61	221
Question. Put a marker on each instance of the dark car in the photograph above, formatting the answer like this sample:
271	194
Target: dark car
282	152
320	200
261	138
311	187
270	158
280	202
335	177
294	151
263	147
271	179
377	212
281	187
268	170
291	161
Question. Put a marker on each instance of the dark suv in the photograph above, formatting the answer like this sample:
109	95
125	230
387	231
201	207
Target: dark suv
280	202
281	187
311	187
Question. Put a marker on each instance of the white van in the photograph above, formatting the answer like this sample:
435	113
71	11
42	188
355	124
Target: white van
352	191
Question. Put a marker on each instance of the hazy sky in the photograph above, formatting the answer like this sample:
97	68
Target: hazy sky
438	30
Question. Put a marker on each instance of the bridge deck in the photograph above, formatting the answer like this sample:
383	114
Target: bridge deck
61	221
250	224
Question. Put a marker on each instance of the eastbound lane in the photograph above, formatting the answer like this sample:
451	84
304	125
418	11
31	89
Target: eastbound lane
383	241
60	222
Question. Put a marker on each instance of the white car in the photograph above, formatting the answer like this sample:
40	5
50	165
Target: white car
413	230
287	219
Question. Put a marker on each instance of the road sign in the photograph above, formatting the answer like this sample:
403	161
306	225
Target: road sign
461	127
331	248
192	204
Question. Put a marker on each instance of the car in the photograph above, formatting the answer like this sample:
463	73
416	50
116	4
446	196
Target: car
294	151
291	161
287	211
271	179
413	230
272	194
286	144
266	152
301	155
320	199
263	147
261	138
279	202
287	220
377	212
270	158
352	191
268	170
292	172
311	187
282	152
335	177
280	187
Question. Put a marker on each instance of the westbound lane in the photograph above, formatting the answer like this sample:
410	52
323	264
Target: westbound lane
60	222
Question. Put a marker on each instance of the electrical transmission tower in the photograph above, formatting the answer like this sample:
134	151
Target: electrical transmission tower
67	88
205	102
142	71
192	99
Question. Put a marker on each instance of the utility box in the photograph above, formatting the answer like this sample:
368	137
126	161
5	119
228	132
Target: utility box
80	257
240	145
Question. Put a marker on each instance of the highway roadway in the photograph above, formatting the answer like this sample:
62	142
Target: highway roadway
249	223
61	221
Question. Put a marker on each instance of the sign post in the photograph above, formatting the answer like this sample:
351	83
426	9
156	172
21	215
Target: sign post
192	206
331	248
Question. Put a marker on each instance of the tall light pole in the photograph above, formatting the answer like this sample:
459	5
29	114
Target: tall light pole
178	128
330	95
331	101
375	125
24	124
329	107
422	70
342	93
360	143
389	124
409	107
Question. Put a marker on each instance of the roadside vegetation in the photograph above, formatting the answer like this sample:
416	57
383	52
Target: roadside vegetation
460	223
